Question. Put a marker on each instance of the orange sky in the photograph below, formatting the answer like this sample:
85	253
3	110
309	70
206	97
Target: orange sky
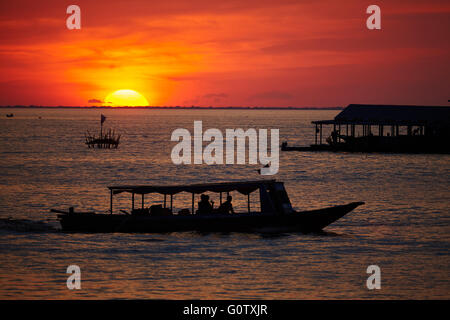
222	53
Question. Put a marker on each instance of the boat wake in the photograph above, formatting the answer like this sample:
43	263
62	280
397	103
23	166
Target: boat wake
25	225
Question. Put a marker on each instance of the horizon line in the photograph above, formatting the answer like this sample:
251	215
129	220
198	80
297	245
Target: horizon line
177	107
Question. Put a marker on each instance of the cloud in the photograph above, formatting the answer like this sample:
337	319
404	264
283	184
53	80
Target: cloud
215	97
95	101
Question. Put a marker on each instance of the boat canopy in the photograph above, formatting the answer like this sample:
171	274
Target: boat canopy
246	188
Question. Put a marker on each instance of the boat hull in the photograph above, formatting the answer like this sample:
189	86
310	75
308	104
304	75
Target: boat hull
306	221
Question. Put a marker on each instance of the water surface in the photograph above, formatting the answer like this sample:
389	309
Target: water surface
403	228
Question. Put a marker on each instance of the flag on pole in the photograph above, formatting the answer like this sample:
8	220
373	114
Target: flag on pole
103	118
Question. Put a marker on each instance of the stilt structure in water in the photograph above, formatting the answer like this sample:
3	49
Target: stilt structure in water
384	128
107	140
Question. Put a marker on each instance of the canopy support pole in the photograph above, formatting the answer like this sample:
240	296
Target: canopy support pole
132	201
171	202
165	200
142	201
248	201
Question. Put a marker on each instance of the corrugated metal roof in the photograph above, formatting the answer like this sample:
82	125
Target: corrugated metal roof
391	114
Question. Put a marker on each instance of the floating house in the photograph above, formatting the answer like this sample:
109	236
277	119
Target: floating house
383	128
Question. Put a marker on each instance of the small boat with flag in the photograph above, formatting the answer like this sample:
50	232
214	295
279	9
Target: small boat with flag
275	215
106	140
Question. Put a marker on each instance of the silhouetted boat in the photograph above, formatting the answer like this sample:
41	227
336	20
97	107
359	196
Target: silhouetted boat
106	140
276	214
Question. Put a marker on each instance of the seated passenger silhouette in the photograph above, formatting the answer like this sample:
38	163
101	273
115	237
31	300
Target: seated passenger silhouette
226	207
204	206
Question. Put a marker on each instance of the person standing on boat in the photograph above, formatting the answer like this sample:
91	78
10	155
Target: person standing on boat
226	207
204	206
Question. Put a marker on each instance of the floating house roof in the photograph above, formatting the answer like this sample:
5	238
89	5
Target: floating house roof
391	115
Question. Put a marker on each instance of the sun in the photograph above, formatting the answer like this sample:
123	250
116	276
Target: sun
126	98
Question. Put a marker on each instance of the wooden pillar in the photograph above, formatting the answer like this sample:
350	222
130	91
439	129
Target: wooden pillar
111	202
339	135
171	202
248	202
165	200
142	201
315	141
380	130
193	206
320	133
132	201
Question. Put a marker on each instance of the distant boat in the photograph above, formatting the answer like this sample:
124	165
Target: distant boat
10	115
106	140
276	213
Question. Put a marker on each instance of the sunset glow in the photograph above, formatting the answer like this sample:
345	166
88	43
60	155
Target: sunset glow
233	53
128	98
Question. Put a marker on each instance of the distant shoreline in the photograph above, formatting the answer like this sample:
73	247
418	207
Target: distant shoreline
174	107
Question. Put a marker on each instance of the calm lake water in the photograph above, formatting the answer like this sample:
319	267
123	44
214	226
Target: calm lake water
404	227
